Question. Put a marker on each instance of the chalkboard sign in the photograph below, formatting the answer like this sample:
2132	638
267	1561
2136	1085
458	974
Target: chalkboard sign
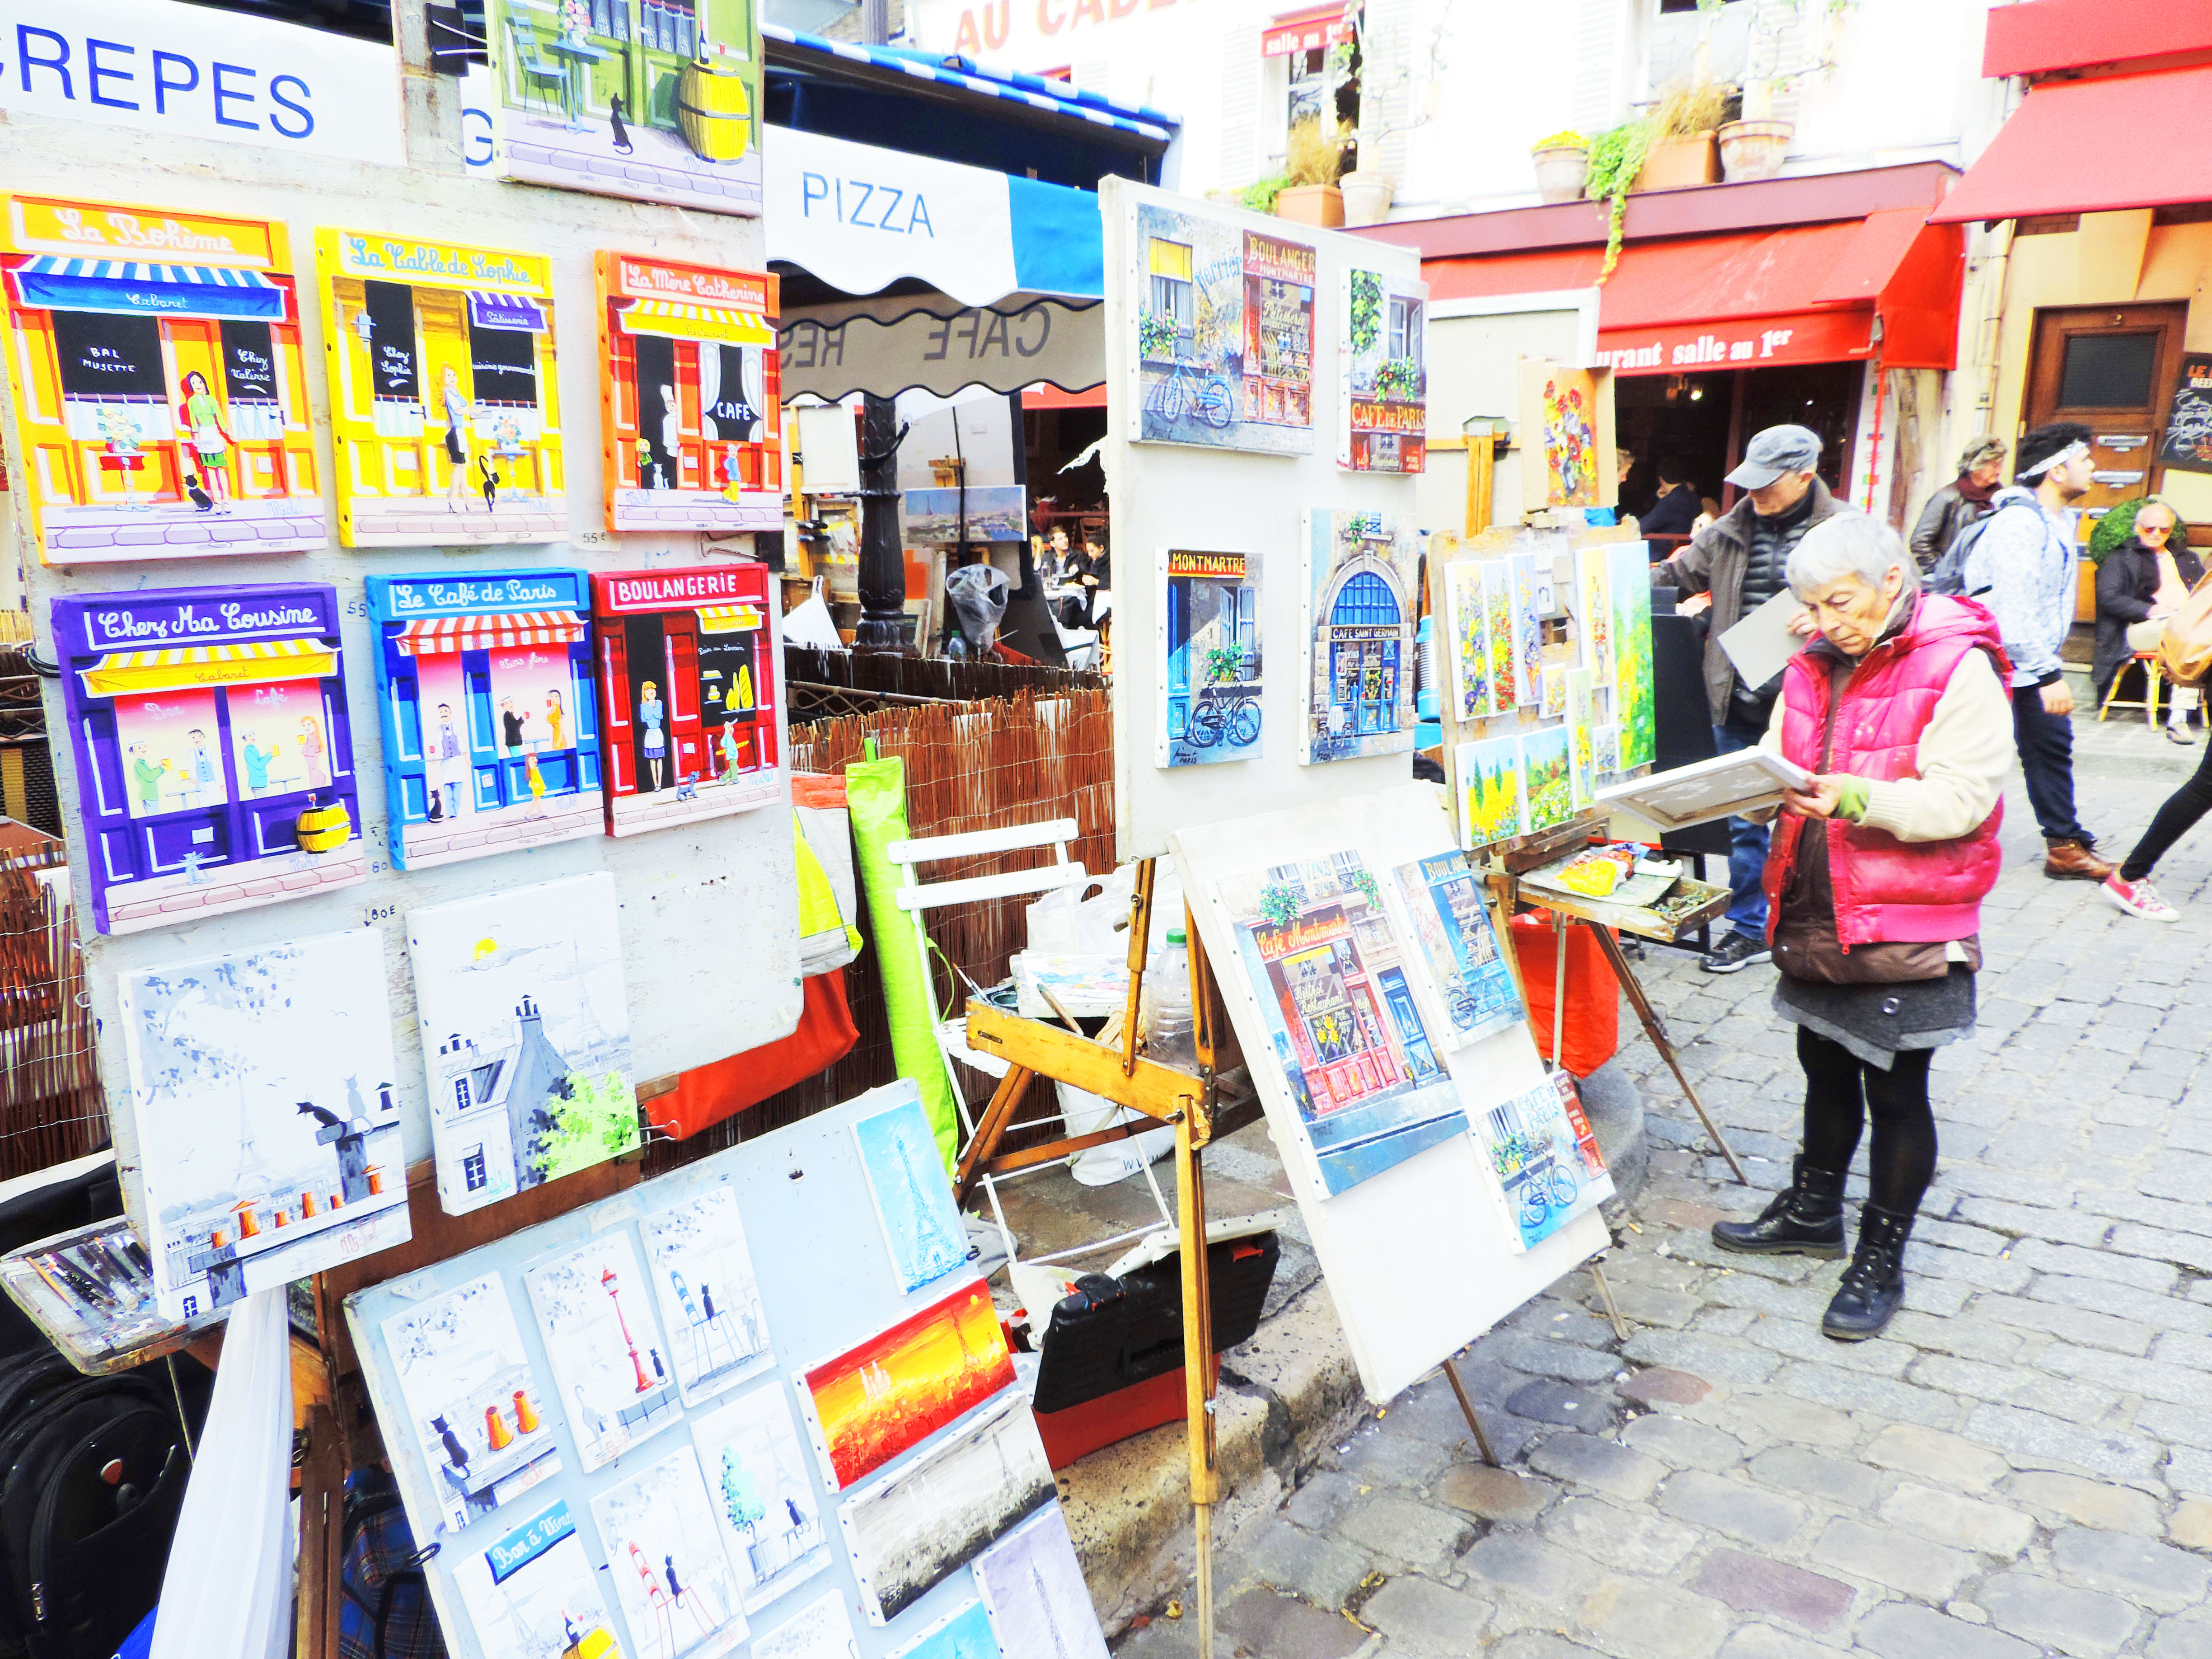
734	415
2188	442
249	362
390	308
103	357
505	363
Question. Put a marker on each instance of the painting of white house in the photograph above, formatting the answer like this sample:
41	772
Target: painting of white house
525	1037
762	1495
262	1096
665	1558
477	1412
533	1594
710	1303
610	1367
914	1198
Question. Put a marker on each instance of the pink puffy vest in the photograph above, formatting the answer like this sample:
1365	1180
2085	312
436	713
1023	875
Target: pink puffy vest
1888	891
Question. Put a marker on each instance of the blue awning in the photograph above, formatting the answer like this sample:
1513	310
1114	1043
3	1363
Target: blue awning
510	313
128	288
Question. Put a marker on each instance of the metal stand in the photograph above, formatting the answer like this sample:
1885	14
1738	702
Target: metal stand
1656	1030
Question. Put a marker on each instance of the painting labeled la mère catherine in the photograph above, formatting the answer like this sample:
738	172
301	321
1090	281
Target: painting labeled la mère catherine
1225	320
161	389
491	734
525	1037
445	407
1383	411
689	390
1210	681
1361	605
1332	980
214	753
262	1094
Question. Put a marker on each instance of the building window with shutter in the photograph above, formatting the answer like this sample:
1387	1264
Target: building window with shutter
472	1169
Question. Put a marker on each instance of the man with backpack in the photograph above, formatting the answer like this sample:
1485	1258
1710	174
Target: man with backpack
2020	561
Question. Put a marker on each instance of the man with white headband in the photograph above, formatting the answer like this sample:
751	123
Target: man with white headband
2022	566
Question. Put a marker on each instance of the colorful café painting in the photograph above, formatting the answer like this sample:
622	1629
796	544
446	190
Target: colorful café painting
1494	806
1331	977
1540	1148
1362	603
491	738
161	389
610	1368
525	1037
664	1555
1224	321
1470	641
913	1195
445	407
263	1101
659	101
1209	665
687	670
533	1593
762	1495
691	410
214	754
1446	903
1382	414
887	1394
1629	582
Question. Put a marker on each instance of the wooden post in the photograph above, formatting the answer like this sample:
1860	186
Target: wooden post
1481	479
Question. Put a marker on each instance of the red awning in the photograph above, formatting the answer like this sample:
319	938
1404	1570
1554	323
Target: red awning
2056	153
1303	31
1805	294
504	631
1045	395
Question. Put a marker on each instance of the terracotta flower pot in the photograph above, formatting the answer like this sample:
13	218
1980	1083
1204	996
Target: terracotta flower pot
1753	149
1562	170
1677	163
1366	195
1311	205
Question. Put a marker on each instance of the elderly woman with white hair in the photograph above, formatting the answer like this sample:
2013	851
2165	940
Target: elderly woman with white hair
1898	706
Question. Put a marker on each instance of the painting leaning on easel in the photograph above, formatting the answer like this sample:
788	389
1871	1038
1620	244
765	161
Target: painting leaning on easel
533	1595
1539	1147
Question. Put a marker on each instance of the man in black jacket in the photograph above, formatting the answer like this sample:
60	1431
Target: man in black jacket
1739	560
1675	512
1959	502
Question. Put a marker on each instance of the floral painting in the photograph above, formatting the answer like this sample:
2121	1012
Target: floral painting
1469	660
1493	805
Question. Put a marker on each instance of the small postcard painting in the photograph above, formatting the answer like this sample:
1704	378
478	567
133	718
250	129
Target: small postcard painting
1554	703
1209	665
914	1198
533	1594
710	1302
1497	625
1546	1160
820	1630
1492	807
1444	900
1581	735
666	1558
1528	629
763	1498
1362	605
1593	614
1470	641
596	1317
964	1634
1033	1585
1546	782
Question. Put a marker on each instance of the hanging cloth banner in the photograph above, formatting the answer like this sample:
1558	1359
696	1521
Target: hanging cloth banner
833	350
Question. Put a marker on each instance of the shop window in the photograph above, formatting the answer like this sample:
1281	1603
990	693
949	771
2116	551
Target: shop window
387	322
172	752
503	364
1405	329
610	19
461	1097
669	26
278	738
1174	295
249	378
2108	371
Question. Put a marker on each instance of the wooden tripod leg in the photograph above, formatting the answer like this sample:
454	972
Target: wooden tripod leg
1612	1307
990	1128
1657	1032
1198	1368
1481	1440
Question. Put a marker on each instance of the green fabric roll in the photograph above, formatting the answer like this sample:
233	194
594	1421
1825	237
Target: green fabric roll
875	792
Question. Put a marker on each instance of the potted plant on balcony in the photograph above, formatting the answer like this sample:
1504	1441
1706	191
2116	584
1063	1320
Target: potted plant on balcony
1314	162
1754	145
1682	150
1562	163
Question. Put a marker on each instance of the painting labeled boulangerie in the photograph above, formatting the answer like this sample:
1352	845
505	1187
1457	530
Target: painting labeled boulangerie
664	1555
920	1524
533	1594
912	1196
710	1302
1444	901
1033	1586
1362	603
1209	665
762	1498
1331	978
888	1394
609	1367
268	1128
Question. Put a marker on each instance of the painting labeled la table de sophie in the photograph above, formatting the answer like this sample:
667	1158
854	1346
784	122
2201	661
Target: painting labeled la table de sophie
525	1037
477	1412
533	1593
1332	981
1362	603
1209	658
1382	409
160	389
609	1368
262	1092
665	1556
1544	1156
1225	320
762	1496
710	1302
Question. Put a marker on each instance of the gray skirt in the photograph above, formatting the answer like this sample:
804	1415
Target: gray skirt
1874	1022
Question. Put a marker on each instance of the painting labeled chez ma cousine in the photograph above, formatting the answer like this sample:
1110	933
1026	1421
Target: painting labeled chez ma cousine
525	1037
161	392
1362	603
1332	981
214	755
1209	658
688	668
1383	411
262	1097
690	405
445	405
491	734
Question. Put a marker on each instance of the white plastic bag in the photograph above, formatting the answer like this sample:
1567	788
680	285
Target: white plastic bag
811	623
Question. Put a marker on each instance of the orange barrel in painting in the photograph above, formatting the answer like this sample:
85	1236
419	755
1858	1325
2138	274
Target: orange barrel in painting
714	110
322	829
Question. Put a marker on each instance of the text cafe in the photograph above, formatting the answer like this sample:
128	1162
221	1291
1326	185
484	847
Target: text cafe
162	401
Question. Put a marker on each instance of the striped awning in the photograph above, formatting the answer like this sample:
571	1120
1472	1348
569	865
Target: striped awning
676	320
729	618
131	289
440	635
508	313
128	673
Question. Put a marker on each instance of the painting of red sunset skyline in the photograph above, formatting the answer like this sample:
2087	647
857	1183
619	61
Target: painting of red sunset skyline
895	1390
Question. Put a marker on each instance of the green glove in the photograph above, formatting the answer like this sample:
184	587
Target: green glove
1851	798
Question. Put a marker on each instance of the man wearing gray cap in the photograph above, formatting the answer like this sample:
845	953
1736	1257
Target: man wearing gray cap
1739	560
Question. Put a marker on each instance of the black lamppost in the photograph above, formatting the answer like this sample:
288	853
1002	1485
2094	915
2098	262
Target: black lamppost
883	564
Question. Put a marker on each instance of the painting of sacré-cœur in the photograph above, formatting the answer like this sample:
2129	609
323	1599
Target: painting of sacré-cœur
608	1366
702	1278
525	1037
262	1092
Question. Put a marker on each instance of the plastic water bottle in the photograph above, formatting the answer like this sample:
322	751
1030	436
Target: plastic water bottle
1168	1038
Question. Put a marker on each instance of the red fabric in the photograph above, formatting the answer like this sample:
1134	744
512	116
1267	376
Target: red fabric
1889	892
1593	1028
708	1094
2055	154
2037	36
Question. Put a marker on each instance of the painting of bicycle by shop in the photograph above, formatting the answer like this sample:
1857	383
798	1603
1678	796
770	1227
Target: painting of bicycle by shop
1209	658
1225	335
1547	1171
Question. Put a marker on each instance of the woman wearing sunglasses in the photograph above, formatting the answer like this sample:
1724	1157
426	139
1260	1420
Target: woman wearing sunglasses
2140	584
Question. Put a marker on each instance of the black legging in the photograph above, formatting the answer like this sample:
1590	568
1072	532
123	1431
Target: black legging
1842	1090
2175	819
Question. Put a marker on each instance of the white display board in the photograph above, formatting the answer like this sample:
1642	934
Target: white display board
1199	495
1420	1258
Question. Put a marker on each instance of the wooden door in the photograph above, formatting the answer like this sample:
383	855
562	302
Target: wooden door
2112	368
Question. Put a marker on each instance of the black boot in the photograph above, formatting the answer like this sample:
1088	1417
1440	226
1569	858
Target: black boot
1874	1282
1807	1218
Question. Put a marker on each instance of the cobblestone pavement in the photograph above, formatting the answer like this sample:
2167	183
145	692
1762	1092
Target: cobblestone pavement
2023	1466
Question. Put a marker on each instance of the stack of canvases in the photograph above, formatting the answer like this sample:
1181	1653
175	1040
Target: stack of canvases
759	1418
